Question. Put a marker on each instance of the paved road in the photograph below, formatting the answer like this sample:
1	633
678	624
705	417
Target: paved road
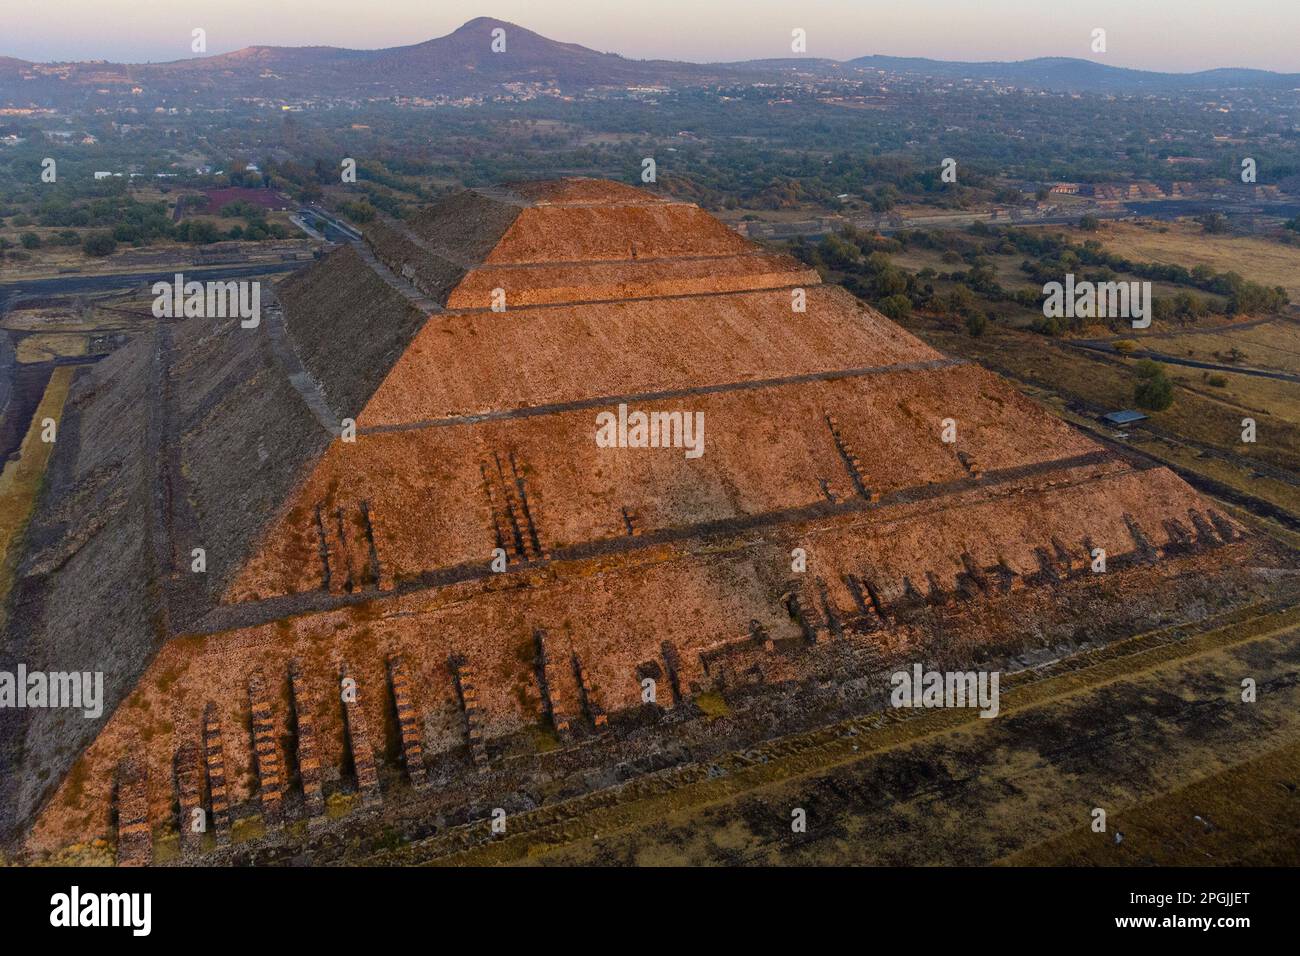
1190	363
1192	330
1162	209
7	360
334	229
11	292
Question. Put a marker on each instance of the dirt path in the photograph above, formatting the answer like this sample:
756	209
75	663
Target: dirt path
1189	363
1226	329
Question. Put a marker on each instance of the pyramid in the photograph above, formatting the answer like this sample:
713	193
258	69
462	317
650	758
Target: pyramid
399	492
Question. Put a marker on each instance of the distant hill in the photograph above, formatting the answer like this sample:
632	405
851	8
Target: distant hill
462	57
463	63
1072	74
460	63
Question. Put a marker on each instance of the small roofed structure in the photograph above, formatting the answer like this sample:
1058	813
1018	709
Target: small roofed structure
1125	416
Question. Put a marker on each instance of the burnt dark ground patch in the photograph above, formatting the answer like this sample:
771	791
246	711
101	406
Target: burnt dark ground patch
984	791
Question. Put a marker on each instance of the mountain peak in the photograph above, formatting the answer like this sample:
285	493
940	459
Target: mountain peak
479	23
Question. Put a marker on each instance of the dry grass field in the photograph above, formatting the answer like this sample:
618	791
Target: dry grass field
21	479
1274	345
1264	398
56	324
1007	267
44	348
1201	412
1186	244
49	261
1200	434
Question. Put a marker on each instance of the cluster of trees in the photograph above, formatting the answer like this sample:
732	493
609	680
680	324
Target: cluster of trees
98	224
381	188
92	244
31	240
101	225
861	263
730	176
255	228
1052	256
126	217
1245	296
359	212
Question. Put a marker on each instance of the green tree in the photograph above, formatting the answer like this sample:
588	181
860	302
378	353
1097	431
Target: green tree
896	307
99	244
961	300
1214	222
837	253
1154	390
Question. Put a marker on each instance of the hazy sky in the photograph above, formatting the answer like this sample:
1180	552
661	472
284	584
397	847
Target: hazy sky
1148	34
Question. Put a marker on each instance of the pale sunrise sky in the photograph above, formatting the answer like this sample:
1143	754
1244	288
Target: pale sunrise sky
1174	35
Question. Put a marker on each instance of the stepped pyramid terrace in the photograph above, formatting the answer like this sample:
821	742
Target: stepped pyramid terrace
427	584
